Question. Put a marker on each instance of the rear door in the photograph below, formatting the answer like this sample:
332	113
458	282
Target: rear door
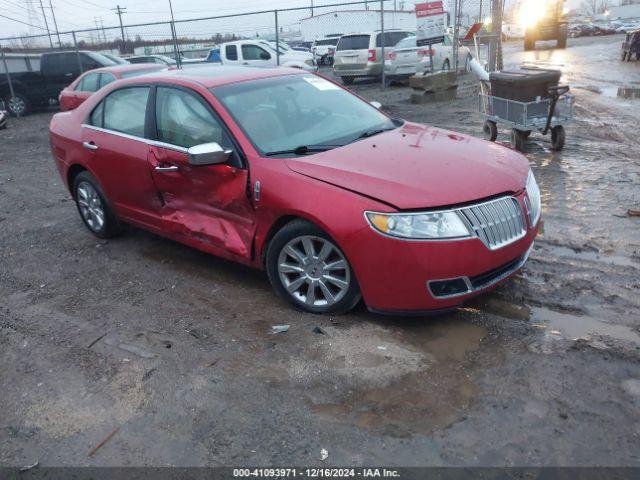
207	203
352	52
117	150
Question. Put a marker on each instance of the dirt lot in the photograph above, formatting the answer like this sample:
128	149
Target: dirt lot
172	346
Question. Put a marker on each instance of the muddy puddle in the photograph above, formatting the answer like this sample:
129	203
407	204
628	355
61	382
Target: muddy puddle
613	92
434	396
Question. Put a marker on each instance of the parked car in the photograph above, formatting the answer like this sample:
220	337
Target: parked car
90	82
159	59
360	55
285	49
41	88
324	50
260	53
631	46
116	58
628	27
407	59
214	55
286	171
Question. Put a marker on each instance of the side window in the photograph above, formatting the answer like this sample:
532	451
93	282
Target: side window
89	83
124	110
96	116
231	52
254	52
106	79
183	120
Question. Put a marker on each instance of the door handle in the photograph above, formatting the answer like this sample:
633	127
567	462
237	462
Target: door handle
90	146
172	168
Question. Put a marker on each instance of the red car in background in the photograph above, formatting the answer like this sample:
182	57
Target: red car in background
289	172
90	82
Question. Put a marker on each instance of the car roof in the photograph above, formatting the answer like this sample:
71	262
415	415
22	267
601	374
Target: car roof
124	68
211	76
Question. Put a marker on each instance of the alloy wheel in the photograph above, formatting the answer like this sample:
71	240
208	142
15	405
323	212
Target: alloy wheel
91	207
17	105
314	271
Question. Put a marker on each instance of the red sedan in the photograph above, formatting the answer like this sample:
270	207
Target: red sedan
287	171
90	82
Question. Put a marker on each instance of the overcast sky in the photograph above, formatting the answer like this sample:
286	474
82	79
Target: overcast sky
81	14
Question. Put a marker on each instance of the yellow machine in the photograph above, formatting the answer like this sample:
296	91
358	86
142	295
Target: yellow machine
543	20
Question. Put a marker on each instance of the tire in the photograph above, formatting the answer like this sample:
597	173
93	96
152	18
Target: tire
90	200
558	137
529	43
517	140
562	37
490	130
446	66
299	246
347	80
18	105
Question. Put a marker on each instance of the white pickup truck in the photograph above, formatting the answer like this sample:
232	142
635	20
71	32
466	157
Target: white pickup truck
260	53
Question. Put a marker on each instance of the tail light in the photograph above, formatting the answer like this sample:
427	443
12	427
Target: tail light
426	52
372	55
390	56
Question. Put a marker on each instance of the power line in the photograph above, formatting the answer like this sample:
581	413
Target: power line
24	23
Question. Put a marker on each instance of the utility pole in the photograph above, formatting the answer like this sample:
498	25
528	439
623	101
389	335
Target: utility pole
496	30
119	11
46	24
55	24
104	33
312	8
174	34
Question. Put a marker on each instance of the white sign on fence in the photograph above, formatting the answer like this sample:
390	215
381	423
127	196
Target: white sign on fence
432	23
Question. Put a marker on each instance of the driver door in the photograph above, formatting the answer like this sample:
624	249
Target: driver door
256	56
207	204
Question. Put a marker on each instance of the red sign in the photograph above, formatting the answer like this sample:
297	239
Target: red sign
429	9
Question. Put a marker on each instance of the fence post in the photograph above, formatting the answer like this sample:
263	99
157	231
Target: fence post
457	4
384	40
6	68
176	50
75	45
496	21
277	38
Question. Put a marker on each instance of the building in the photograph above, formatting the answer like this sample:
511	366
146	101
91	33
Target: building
625	13
342	22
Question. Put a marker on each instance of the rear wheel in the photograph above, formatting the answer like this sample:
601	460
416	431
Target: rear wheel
94	209
529	43
308	270
558	137
18	105
490	130
347	80
518	139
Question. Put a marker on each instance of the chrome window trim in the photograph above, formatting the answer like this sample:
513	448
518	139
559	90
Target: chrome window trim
484	286
472	235
153	143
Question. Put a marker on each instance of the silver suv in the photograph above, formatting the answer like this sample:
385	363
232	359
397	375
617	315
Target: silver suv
360	54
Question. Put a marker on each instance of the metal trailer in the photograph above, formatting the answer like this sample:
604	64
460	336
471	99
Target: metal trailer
544	115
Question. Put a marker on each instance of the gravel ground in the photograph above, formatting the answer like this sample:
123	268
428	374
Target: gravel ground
171	347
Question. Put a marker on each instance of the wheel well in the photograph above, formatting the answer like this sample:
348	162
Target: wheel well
73	172
275	228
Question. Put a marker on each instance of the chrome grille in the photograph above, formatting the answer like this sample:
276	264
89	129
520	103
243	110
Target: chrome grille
496	223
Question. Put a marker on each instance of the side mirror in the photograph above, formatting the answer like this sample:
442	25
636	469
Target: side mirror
265	56
208	154
377	105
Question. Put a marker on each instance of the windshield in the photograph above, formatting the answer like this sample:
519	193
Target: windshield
284	113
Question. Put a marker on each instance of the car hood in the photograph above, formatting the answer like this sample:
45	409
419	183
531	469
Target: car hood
295	57
417	166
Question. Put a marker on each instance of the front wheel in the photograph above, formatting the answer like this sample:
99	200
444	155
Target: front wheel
308	270
558	137
490	130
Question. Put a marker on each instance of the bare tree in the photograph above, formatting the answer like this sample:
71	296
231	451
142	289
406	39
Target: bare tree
595	7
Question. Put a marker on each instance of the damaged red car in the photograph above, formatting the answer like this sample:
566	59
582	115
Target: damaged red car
289	172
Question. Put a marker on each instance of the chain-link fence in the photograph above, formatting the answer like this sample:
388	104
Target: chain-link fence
291	36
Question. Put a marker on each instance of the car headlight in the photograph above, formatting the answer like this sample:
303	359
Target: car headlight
419	226
534	205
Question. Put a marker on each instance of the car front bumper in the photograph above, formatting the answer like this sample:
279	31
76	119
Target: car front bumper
401	277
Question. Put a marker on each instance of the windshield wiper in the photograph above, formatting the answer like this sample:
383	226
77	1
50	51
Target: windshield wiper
303	150
374	132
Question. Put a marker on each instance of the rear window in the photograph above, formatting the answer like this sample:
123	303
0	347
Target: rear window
331	41
408	42
354	42
390	38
